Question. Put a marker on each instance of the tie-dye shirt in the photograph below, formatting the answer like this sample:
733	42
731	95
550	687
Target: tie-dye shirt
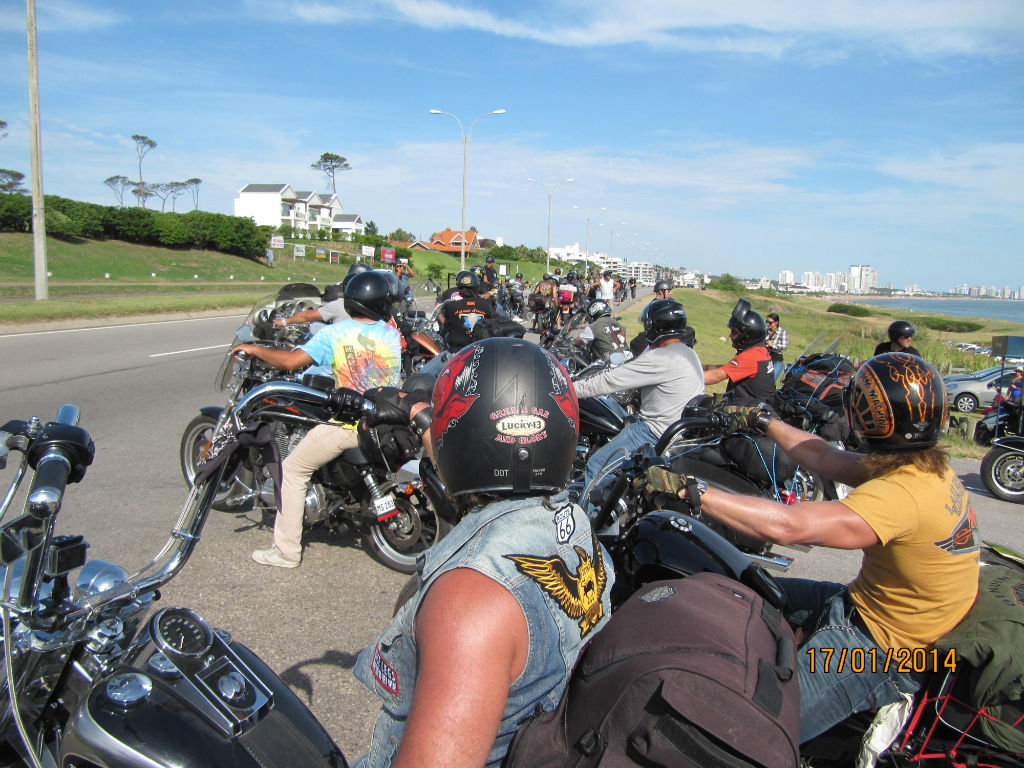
363	355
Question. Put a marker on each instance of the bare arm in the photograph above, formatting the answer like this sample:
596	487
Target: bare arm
306	316
816	454
473	642
714	374
822	523
286	360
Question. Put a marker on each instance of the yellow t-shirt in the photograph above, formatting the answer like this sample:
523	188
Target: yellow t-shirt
921	580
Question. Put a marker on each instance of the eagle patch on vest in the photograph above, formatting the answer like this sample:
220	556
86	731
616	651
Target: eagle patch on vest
579	595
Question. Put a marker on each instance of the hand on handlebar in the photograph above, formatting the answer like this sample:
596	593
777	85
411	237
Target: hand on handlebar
754	418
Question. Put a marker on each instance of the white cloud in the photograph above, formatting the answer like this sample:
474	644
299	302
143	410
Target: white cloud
58	16
765	27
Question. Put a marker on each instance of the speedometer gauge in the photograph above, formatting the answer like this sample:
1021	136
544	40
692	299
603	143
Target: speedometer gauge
179	632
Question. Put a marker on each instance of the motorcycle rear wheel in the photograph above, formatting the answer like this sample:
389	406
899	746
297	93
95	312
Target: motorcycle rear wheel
416	528
195	441
1002	472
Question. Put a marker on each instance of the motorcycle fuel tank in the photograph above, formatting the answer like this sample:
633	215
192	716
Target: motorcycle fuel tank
602	415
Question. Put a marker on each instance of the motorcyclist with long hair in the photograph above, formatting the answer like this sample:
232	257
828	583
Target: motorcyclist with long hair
910	515
507	600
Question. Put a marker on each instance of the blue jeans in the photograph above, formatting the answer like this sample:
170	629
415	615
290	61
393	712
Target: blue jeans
829	694
603	463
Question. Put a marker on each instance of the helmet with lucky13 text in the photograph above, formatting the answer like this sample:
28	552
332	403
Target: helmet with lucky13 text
505	420
750	327
368	294
897	402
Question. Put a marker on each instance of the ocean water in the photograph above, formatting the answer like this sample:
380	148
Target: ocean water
995	309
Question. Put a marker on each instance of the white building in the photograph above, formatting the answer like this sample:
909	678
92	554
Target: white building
785	277
278	205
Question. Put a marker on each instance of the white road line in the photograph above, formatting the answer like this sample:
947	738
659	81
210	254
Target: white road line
196	349
110	327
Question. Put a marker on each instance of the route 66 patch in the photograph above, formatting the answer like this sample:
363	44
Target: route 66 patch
565	523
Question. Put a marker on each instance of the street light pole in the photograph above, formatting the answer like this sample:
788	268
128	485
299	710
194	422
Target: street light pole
586	247
465	156
550	192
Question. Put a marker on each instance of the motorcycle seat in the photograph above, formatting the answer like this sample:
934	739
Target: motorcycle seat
354	456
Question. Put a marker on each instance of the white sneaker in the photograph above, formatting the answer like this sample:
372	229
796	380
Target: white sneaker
273	556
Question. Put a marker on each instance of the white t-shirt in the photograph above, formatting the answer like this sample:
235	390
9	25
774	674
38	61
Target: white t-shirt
607	289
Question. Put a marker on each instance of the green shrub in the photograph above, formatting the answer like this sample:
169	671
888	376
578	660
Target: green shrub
60	225
727	283
15	213
949	325
854	310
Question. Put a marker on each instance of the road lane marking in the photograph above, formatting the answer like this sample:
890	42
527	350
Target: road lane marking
194	349
110	327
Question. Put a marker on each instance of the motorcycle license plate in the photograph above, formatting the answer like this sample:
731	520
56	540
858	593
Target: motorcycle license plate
385	507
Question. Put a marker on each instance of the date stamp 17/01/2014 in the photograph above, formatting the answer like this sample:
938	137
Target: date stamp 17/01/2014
873	661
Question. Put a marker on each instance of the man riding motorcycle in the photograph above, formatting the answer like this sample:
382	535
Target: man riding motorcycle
507	600
908	512
364	352
750	373
668	376
604	334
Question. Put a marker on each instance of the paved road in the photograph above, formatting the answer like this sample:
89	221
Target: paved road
137	386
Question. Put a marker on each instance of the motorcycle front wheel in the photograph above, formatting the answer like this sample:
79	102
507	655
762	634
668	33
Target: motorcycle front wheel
1002	472
417	527
232	496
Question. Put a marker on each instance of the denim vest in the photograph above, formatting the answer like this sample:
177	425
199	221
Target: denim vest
487	540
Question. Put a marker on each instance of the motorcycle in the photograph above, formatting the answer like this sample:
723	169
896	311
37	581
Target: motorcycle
690	446
1002	468
93	675
423	341
396	517
1003	417
942	728
239	374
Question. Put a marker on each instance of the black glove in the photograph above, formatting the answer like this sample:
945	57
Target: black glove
389	407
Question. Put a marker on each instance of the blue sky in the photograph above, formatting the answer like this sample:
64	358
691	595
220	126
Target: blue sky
746	136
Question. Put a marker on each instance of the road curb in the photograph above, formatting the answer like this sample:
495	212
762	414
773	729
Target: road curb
97	322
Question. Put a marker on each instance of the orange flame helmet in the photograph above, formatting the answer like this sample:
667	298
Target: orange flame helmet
897	402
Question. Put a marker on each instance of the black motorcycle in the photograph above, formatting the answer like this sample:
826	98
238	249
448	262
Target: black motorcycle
397	516
94	675
1002	468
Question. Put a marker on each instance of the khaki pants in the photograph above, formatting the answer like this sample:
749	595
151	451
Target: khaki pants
323	443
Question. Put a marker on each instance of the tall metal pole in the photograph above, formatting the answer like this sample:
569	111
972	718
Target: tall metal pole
586	248
465	156
38	213
462	245
549	233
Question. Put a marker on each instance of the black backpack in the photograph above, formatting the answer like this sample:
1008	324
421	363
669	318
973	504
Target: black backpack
694	672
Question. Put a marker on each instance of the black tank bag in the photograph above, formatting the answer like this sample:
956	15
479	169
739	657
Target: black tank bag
693	672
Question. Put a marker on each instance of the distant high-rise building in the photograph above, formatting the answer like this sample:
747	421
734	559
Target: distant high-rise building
786	277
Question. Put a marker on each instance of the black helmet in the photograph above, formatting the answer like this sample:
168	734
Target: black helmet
489	259
332	292
367	294
548	276
468	282
663	319
519	275
662	285
899	329
897	402
598	308
505	420
394	284
356	268
750	326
